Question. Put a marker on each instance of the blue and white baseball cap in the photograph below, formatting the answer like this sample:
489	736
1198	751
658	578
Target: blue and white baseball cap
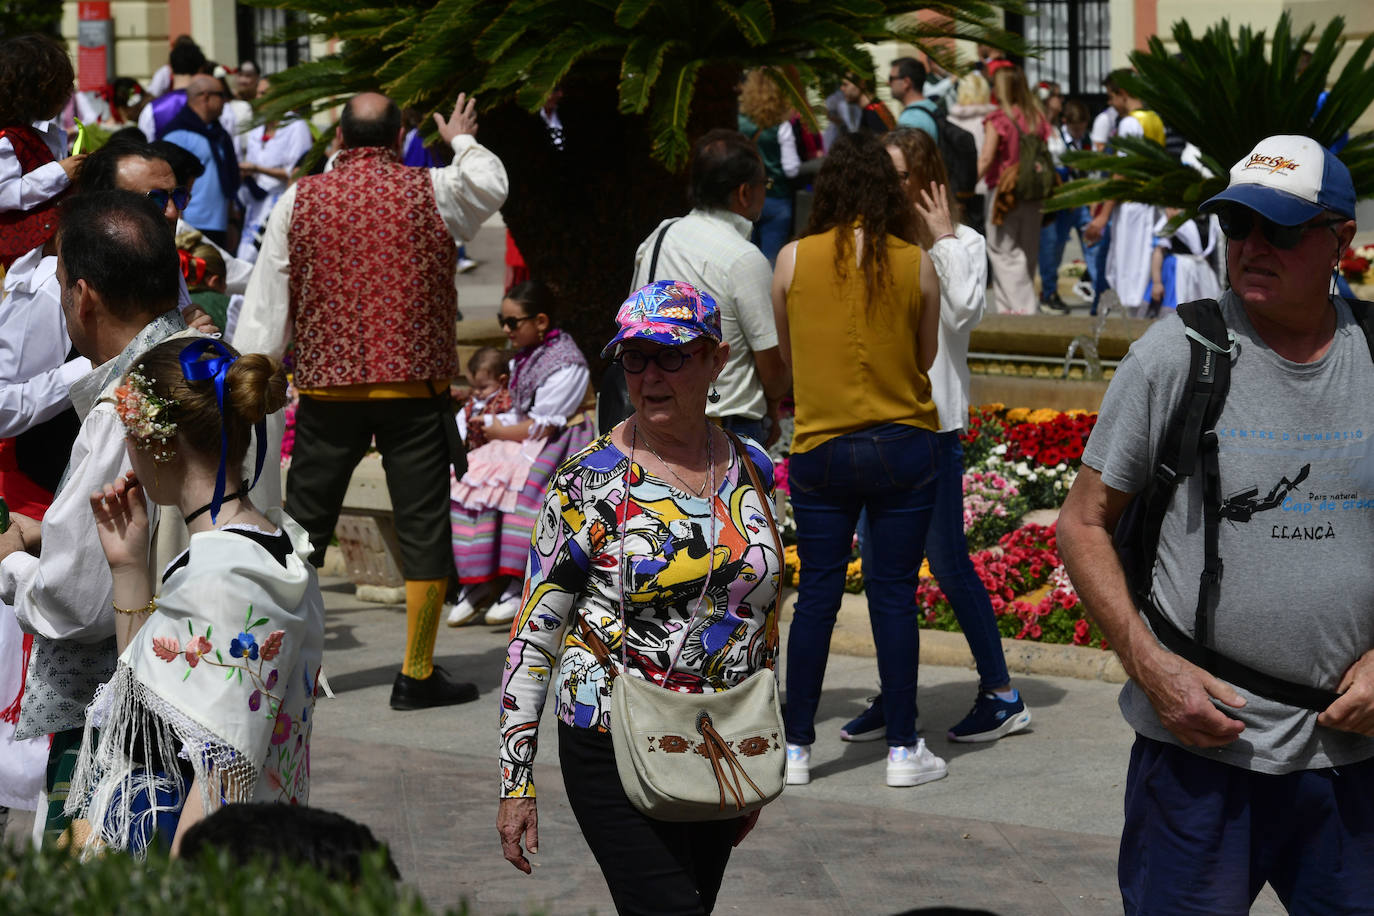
1289	180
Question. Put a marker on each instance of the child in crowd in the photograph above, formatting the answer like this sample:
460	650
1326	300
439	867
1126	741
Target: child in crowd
203	267
1179	266
489	374
35	85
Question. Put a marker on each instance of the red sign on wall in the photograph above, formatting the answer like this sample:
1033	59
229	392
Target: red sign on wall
95	46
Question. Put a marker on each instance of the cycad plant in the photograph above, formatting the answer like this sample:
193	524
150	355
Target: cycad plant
641	79
1224	94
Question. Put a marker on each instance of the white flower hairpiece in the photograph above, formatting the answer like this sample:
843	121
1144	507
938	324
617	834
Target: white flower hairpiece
145	415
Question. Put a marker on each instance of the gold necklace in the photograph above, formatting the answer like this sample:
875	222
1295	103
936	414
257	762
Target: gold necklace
697	491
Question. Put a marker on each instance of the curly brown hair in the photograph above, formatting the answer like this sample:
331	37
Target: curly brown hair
858	184
36	79
255	386
761	100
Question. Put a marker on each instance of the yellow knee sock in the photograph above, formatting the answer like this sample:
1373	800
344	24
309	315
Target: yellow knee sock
424	600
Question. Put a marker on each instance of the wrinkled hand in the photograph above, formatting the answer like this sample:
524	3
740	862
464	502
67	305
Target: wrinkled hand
747	825
462	122
1354	711
121	521
197	319
23	534
1092	233
516	820
1182	693
71	165
932	206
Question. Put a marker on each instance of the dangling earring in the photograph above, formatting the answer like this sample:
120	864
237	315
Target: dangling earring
714	396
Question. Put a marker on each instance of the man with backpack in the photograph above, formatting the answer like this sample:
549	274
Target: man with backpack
1232	463
958	149
907	80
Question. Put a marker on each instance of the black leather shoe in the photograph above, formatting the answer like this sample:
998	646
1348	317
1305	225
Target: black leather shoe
435	690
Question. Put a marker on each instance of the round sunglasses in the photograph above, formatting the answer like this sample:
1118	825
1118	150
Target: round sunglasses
669	359
1239	222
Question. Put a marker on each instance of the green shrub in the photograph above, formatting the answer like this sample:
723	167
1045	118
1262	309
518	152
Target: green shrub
54	882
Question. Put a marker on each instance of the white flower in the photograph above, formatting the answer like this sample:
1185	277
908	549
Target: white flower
1061	466
1000	449
1022	468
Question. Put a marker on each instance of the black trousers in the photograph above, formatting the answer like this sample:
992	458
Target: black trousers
332	437
651	867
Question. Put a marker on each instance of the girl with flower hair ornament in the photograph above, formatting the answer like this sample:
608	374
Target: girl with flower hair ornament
212	700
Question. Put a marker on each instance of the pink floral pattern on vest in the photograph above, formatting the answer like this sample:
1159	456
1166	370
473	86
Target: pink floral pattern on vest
372	268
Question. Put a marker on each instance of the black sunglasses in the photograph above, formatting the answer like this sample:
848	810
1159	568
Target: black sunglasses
669	359
1239	222
510	324
179	197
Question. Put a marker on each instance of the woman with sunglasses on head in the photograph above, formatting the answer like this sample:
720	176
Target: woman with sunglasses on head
857	303
654	559
495	505
212	700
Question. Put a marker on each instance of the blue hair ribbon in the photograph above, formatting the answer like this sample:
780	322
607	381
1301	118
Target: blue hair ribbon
216	369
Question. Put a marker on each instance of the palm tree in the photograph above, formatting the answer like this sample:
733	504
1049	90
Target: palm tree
1224	95
641	79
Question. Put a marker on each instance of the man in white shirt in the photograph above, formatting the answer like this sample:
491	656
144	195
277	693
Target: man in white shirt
357	267
117	267
710	249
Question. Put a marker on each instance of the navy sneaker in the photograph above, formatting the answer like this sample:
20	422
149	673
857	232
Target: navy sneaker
868	725
991	718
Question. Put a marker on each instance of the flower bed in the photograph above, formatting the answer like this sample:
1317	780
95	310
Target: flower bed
1015	461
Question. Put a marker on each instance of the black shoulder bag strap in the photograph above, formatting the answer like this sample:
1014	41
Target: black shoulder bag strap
658	246
1190	443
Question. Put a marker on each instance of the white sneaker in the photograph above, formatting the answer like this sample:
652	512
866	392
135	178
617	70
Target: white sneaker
462	612
911	765
1083	290
466	264
503	611
798	764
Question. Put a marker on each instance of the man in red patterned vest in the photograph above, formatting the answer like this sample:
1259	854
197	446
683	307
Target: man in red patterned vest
357	267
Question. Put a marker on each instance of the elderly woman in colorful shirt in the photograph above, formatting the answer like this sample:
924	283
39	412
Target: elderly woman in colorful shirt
657	520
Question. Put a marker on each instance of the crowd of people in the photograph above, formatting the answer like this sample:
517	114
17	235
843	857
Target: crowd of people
142	387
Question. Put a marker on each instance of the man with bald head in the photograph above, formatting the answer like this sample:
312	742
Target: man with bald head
197	129
357	266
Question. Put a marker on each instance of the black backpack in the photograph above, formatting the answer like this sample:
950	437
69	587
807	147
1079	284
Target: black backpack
958	150
1190	445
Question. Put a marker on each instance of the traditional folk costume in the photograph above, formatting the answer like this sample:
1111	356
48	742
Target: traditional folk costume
32	182
495	505
279	148
36	423
1133	225
357	268
472	422
1186	274
218	686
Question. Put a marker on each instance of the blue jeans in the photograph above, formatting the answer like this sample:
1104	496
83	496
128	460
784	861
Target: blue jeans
1054	237
1096	258
774	226
888	470
947	550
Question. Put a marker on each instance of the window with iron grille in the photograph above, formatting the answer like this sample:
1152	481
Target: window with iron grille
260	39
1074	37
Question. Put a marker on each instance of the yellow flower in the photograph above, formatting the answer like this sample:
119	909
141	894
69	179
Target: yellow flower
1043	415
925	572
1018	414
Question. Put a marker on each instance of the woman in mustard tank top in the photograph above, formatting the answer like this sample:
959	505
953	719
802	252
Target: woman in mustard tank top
858	308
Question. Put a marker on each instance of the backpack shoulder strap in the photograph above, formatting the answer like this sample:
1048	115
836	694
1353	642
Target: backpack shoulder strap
1209	375
1364	317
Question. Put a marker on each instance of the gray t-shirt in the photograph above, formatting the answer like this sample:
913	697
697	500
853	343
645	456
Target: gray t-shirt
1297	589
